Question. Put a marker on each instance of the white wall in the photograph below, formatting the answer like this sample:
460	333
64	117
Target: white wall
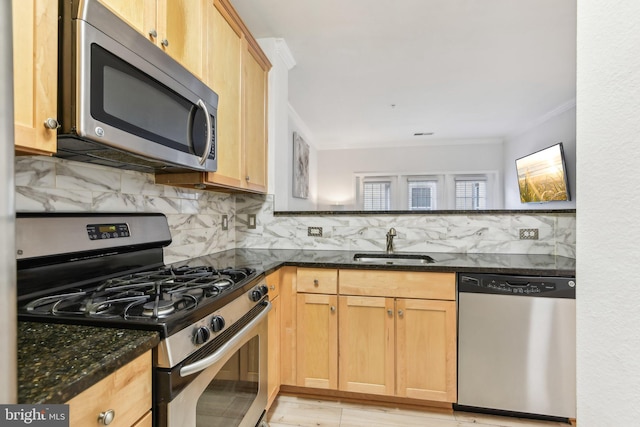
559	127
284	195
336	168
283	121
608	230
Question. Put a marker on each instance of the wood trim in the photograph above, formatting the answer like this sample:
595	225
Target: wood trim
359	398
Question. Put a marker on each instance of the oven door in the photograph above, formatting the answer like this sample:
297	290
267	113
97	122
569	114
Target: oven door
231	392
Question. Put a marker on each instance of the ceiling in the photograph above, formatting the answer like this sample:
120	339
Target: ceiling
372	73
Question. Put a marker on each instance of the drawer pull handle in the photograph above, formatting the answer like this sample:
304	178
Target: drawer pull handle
315	282
106	417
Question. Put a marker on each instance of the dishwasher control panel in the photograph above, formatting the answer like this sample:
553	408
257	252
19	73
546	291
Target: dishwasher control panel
555	287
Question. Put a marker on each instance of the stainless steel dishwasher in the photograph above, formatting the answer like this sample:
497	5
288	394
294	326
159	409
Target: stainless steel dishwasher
517	344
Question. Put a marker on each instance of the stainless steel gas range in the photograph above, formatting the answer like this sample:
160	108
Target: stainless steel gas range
210	367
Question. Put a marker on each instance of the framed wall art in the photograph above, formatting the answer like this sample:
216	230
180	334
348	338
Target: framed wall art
300	167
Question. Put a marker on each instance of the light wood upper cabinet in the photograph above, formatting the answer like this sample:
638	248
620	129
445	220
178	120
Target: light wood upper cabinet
35	64
126	392
237	70
254	96
223	73
175	26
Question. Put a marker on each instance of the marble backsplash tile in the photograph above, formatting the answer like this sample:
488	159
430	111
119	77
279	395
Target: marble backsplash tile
45	184
51	184
491	233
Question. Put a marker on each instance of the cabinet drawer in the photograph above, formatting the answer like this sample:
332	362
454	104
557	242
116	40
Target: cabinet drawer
317	280
127	392
403	284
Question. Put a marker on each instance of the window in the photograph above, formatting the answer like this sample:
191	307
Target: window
421	194
376	195
471	194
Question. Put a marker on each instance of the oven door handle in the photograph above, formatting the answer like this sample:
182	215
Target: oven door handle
203	364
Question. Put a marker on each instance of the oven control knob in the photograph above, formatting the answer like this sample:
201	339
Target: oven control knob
263	290
201	335
217	323
255	295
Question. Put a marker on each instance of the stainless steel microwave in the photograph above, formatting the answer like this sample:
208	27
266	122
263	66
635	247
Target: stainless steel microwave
125	103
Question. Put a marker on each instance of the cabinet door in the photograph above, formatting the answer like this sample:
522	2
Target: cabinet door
139	14
367	345
181	32
317	341
426	349
222	73
254	91
35	77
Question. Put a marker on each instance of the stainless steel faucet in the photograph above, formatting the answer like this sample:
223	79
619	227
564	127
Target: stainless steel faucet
390	235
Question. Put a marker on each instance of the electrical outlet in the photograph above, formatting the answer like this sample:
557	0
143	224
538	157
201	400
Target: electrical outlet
314	231
528	234
251	221
225	222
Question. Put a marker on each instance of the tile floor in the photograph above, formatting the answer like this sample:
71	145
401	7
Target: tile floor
295	411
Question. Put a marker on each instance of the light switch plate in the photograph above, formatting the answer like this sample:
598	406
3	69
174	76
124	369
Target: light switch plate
251	221
225	222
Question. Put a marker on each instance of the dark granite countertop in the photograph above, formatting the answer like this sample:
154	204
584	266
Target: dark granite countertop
58	361
271	259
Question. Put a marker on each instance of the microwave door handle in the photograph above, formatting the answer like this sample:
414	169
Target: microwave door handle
203	364
207	149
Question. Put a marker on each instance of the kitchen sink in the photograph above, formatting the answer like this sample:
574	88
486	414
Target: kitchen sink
393	259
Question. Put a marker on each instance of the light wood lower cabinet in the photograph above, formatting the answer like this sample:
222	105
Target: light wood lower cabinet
387	333
126	392
426	349
317	341
367	345
273	348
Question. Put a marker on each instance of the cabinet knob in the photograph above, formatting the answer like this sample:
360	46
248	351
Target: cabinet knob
316	282
248	178
51	123
106	417
400	313
333	308
390	312
153	33
272	287
164	42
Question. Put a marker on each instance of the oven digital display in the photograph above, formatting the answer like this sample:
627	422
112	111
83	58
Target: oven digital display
107	231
